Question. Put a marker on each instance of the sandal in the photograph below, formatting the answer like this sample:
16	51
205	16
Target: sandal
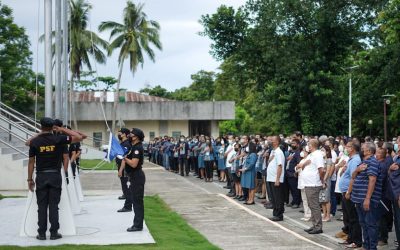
352	245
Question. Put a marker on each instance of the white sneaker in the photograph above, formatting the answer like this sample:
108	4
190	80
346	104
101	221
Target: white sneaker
305	219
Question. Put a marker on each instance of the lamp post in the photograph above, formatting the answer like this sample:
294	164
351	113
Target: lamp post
350	92
370	122
386	101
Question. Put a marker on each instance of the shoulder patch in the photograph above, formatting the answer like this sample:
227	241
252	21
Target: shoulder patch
136	152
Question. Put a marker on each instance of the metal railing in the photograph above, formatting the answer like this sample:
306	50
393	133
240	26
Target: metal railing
17	120
25	118
13	147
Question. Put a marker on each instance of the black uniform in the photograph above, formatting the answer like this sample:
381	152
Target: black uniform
48	150
74	147
124	178
137	180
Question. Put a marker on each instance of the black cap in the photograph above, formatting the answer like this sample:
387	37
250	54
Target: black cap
138	132
125	131
58	122
46	122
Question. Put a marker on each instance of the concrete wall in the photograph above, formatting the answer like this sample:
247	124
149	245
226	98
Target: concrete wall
178	126
13	173
171	110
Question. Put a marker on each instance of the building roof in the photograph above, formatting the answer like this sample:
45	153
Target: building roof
126	96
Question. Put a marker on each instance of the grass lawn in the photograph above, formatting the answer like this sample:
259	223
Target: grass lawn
90	164
168	229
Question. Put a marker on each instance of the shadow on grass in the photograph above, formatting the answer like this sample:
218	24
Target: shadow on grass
169	230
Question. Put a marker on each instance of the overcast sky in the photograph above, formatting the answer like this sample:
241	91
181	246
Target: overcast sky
184	51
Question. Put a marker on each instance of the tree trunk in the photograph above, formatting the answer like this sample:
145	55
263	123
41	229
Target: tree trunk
72	100
116	100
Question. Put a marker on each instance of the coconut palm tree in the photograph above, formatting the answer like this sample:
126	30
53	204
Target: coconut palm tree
83	44
133	38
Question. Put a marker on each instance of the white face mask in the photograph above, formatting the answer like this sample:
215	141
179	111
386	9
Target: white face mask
230	141
307	149
302	154
323	153
222	142
341	149
182	140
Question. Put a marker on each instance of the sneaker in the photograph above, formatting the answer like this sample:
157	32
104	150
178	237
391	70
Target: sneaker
315	231
305	219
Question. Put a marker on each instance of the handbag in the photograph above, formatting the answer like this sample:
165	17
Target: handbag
322	196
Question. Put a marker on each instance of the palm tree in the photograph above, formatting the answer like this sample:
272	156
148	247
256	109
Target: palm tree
82	45
133	38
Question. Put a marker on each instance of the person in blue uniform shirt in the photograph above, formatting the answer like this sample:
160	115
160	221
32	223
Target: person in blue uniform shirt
134	162
249	171
45	151
123	136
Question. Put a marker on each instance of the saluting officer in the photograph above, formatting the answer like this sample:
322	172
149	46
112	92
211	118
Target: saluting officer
123	136
46	150
134	161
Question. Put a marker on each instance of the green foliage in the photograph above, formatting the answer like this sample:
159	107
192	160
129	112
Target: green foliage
17	79
287	72
156	91
226	28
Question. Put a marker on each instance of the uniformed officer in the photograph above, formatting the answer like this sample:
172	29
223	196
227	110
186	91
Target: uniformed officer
123	136
45	151
134	161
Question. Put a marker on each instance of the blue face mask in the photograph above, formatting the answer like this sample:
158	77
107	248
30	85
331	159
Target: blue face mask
396	147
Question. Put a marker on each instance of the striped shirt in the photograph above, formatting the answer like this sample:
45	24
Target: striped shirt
360	186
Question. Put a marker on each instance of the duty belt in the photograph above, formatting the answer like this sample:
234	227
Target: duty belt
48	171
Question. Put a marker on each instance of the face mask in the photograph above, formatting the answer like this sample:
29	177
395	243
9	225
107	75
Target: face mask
230	141
302	154
346	152
340	148
222	142
182	140
323	153
396	147
307	149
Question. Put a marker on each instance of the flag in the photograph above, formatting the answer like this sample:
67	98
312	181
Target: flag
114	149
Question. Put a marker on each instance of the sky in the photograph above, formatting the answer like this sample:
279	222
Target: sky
184	51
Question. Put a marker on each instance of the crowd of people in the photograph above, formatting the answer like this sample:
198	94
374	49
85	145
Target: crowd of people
318	173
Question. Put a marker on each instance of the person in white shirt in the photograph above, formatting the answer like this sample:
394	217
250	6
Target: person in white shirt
299	169
275	177
313	176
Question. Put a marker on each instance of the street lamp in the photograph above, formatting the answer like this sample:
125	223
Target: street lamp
386	101
370	122
350	92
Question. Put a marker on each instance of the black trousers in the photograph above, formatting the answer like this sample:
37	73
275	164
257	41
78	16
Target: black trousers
269	193
296	193
386	221
209	169
195	164
137	179
73	167
128	204
183	165
124	180
277	199
48	193
350	212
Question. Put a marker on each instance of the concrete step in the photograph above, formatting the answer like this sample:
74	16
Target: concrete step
19	156
8	150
